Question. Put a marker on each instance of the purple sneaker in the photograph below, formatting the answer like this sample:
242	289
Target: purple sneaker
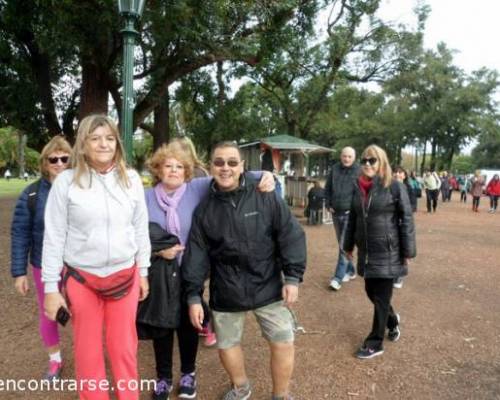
187	386
162	389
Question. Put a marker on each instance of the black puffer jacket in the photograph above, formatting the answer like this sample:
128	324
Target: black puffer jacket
247	240
161	309
383	230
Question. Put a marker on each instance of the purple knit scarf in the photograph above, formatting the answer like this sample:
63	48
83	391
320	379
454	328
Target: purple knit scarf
169	204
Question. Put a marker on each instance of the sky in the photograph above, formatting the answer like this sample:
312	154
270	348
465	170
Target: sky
470	27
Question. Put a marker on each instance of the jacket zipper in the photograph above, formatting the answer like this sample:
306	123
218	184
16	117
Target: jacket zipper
106	200
365	209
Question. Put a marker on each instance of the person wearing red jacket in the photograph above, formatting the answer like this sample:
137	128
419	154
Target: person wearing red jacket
493	190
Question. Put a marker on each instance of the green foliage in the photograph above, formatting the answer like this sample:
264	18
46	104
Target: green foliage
9	155
296	80
487	153
142	149
444	106
8	147
462	164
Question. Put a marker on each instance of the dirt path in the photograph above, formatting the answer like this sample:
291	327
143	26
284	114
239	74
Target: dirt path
450	309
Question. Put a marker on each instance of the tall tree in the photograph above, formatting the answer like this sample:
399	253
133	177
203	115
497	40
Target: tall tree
54	44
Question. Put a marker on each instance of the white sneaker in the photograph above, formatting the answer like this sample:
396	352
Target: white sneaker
349	277
335	285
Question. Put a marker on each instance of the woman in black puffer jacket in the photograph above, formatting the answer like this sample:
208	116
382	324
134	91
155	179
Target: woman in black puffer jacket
381	226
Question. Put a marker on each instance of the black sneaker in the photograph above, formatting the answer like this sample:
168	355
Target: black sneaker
367	352
394	334
187	386
162	389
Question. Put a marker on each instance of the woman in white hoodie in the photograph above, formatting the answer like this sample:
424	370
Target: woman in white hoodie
96	228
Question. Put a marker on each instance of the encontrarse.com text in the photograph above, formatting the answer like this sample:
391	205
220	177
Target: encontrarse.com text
73	385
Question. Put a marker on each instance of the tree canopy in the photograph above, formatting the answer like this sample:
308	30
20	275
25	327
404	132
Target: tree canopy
330	71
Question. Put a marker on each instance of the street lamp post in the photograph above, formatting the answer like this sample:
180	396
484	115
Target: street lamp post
131	11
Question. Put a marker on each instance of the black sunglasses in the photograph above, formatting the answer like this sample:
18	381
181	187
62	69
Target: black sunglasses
219	162
371	161
54	160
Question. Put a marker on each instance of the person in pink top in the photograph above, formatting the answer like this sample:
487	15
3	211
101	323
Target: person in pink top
493	190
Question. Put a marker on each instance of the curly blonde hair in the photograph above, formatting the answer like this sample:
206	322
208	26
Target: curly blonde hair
166	151
185	144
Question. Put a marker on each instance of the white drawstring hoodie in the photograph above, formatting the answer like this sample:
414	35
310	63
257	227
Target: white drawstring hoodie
99	229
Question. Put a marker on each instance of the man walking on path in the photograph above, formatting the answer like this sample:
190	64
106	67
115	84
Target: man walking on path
339	190
255	252
432	184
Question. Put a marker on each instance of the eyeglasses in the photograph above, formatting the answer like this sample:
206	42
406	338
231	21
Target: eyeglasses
219	162
370	161
54	160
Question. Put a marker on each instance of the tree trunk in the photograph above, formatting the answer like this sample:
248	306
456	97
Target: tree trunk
21	153
433	155
94	90
41	69
221	95
449	159
398	155
291	126
424	154
161	129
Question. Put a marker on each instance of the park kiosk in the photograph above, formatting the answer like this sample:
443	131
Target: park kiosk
296	161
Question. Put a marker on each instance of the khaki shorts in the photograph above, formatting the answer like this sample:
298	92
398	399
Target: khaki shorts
275	321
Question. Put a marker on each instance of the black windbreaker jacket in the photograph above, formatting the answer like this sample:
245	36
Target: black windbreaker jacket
247	241
161	310
383	230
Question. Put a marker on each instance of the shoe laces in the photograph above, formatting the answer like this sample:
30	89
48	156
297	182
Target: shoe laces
163	386
235	393
187	380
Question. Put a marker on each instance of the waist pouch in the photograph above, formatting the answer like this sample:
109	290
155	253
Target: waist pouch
112	287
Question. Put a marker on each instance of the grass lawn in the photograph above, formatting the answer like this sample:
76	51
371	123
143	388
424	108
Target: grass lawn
13	187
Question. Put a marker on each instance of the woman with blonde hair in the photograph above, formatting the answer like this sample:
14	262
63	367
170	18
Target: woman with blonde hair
27	239
96	229
381	226
171	204
186	145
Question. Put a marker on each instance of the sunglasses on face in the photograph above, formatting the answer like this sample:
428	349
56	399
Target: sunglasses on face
219	162
54	160
369	161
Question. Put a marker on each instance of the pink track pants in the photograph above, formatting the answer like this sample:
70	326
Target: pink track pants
92	317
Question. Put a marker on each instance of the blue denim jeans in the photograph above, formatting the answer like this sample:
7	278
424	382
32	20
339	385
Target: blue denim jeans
344	266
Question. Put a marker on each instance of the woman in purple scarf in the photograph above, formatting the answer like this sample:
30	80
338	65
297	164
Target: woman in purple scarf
171	203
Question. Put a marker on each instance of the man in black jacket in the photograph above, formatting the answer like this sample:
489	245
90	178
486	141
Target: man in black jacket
339	191
255	252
